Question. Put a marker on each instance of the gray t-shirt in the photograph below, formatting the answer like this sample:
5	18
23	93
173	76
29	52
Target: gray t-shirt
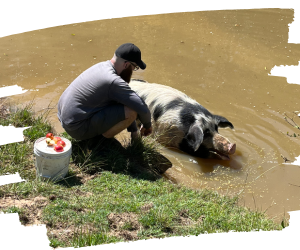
98	87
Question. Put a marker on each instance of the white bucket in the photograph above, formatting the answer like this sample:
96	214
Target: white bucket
50	164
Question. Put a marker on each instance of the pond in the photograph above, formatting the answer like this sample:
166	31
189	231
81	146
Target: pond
222	59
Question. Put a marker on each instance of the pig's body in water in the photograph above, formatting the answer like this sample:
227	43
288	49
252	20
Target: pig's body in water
183	123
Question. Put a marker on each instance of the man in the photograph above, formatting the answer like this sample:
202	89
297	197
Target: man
100	101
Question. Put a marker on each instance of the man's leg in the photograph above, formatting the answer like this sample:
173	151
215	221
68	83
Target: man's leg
130	116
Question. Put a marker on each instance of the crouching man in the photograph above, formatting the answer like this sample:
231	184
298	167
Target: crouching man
99	102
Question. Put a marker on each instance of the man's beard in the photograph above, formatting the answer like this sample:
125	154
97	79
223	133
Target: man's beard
126	74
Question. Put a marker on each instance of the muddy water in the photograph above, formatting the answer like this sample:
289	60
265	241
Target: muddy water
220	58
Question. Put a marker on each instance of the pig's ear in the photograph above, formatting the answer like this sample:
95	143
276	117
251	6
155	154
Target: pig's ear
195	136
222	122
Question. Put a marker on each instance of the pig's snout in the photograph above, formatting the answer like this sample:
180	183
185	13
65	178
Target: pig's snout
223	146
231	149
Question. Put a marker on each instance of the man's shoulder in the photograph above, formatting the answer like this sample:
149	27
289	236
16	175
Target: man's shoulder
104	65
102	71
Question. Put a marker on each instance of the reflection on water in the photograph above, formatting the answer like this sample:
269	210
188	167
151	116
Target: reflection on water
220	58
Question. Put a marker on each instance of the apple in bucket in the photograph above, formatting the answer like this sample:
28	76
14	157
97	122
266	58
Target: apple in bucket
50	142
61	142
55	141
50	135
58	148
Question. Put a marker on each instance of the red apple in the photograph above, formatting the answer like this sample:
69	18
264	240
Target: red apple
58	148
62	143
49	135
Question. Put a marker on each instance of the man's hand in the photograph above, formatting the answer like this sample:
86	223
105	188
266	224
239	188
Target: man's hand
145	132
135	135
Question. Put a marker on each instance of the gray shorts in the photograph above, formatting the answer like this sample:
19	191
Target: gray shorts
99	123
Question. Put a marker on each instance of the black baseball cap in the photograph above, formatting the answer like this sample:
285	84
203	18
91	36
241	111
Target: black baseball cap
130	52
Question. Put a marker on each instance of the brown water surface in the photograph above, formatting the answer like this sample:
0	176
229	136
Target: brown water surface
220	58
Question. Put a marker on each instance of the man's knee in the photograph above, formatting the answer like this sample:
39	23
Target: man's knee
130	114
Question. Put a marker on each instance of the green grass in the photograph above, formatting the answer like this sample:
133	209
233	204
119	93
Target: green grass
114	193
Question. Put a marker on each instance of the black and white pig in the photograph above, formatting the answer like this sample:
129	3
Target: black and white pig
181	122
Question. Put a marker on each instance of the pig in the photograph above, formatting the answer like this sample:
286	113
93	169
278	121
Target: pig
179	121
